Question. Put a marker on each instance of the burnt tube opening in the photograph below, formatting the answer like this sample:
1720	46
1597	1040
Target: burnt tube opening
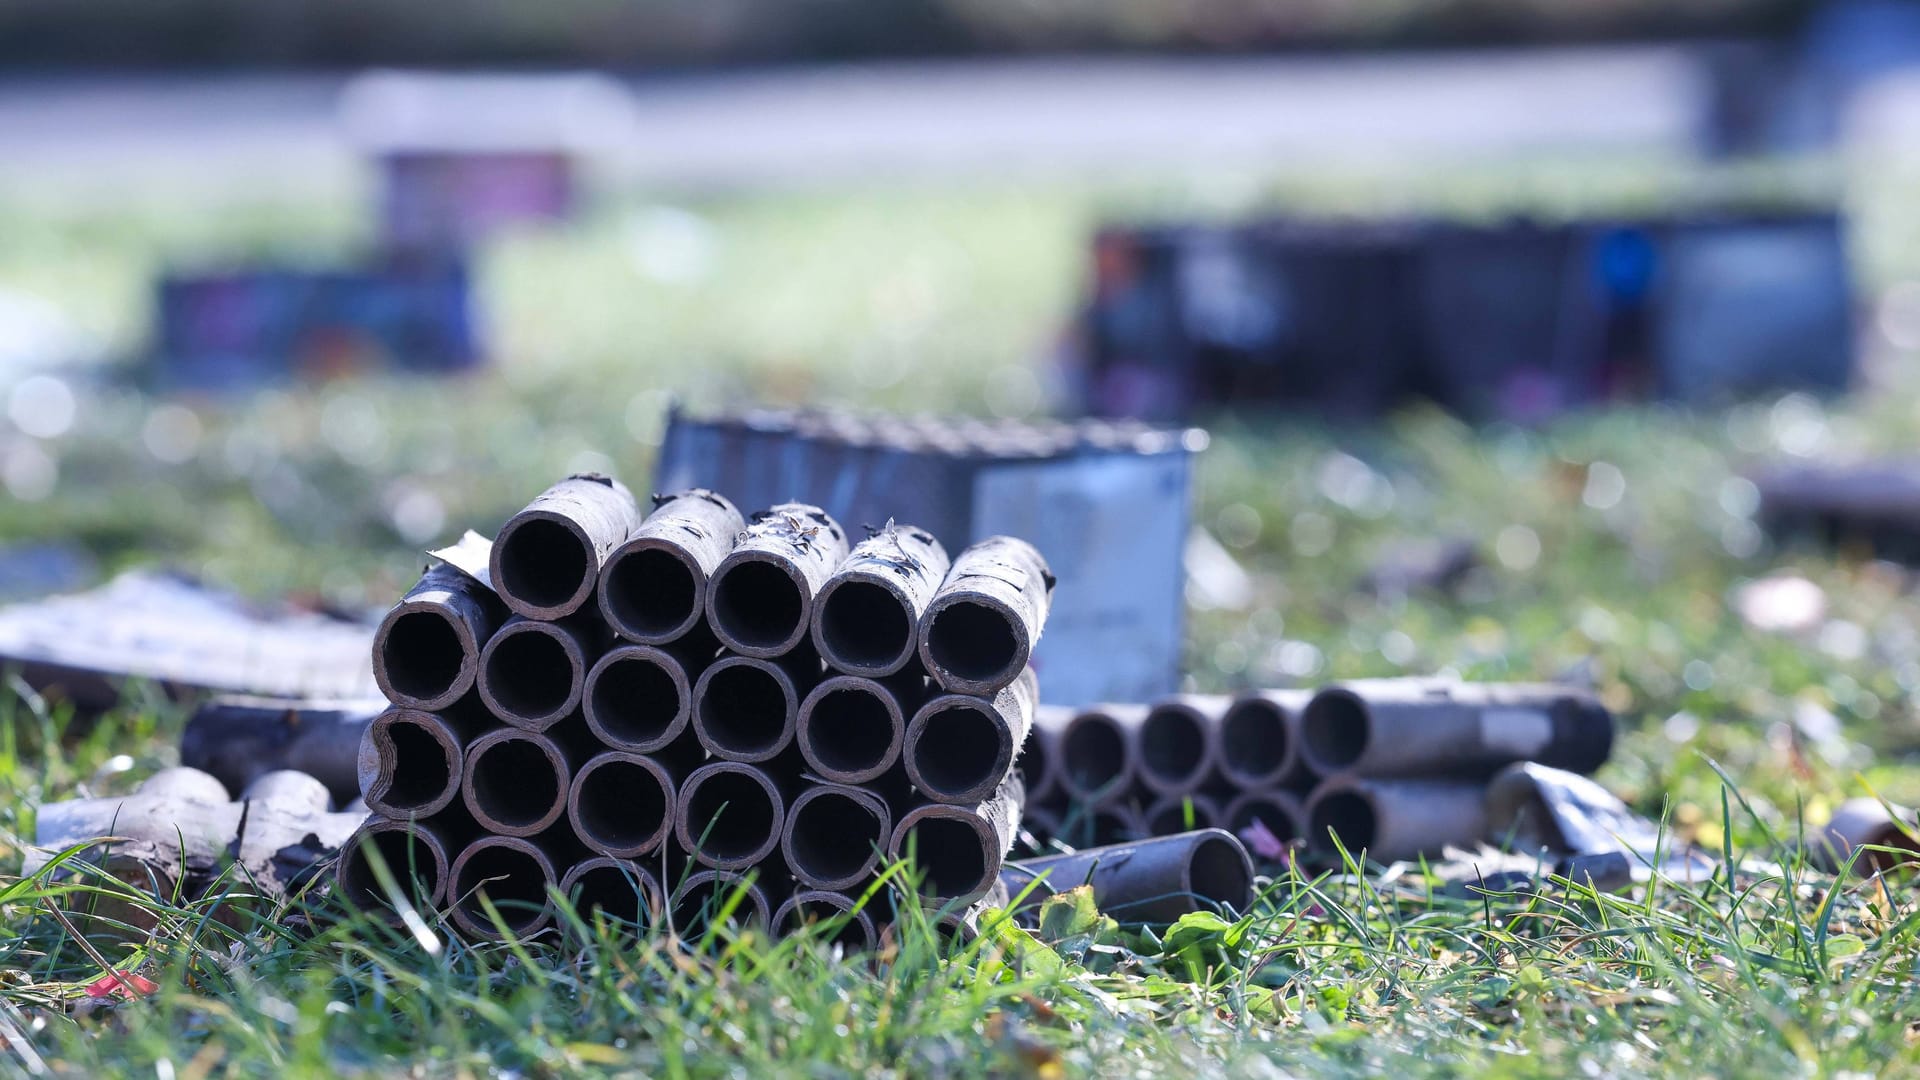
960	747
1217	871
850	730
835	837
408	859
973	641
1346	815
650	592
1253	737
614	892
802	913
1172	744
514	782
422	655
511	878
621	804
1094	753
757	605
863	624
421	772
702	898
529	674
744	709
731	816
543	563
949	853
635	700
1334	729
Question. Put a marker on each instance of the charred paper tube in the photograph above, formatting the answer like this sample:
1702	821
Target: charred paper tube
515	782
979	630
622	804
729	815
532	674
1172	814
1422	727
1260	740
960	747
619	888
810	906
1178	742
640	697
513	873
1278	812
238	739
958	850
426	652
411	762
835	835
417	853
760	600
653	587
865	621
1097	749
747	709
1153	881
1860	823
1392	820
1039	760
546	559
851	728
706	893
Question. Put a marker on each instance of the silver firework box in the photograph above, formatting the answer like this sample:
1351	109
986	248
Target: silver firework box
1106	502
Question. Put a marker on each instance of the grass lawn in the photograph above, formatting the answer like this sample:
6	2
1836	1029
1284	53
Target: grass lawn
1611	545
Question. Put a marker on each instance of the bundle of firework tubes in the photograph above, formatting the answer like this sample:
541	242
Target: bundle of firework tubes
1397	768
683	712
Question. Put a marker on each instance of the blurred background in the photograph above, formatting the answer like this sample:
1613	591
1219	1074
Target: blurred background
1501	313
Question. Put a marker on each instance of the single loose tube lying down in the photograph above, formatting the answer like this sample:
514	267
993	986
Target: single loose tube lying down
1152	881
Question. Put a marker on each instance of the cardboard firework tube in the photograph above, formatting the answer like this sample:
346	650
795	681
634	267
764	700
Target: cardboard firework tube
1153	881
1039	761
238	739
1422	727
621	888
747	708
835	835
700	897
760	599
640	697
426	652
960	747
851	728
512	871
1260	740
979	630
653	587
1097	759
419	854
729	815
411	762
1862	823
1392	820
532	673
959	849
546	559
1279	811
866	619
1171	814
621	804
822	905
515	782
1178	742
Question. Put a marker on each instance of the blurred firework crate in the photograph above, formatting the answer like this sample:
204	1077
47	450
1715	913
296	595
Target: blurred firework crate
261	325
1107	504
1518	320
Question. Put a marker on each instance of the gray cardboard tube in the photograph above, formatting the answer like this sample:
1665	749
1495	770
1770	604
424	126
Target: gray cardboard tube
546	559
